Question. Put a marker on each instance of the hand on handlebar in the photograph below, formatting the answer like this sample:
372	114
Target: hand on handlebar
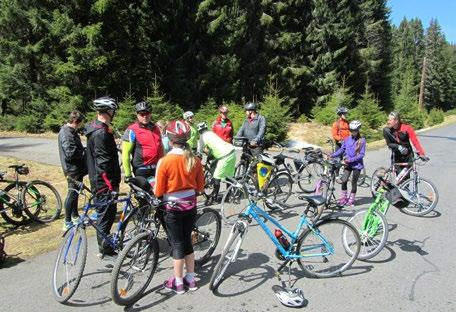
424	158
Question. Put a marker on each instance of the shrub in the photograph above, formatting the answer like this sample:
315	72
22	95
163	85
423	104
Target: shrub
435	117
126	114
326	113
7	122
208	112
161	108
368	111
29	123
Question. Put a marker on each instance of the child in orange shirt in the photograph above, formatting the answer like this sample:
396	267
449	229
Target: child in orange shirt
178	178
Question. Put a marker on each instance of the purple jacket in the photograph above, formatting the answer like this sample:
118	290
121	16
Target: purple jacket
348	149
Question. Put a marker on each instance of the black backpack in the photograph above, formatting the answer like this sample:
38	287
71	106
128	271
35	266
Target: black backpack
395	197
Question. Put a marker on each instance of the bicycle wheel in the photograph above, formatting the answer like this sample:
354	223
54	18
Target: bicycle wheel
134	269
424	196
42	202
362	177
278	189
234	201
228	255
139	220
69	265
323	248
12	208
375	181
205	235
373	232
308	177
240	170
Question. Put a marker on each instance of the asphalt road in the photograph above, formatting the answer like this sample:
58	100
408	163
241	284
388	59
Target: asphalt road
415	272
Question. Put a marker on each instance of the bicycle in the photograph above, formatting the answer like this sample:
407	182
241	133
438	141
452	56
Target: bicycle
136	264
372	224
313	246
71	258
362	176
21	202
421	193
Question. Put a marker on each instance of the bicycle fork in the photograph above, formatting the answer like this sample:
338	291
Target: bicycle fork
242	227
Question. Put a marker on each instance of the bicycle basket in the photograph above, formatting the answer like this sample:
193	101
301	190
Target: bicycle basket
23	170
395	197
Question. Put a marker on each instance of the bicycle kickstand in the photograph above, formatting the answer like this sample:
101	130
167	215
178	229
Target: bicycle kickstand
282	266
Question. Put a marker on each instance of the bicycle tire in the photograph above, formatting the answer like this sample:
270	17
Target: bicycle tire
73	249
144	244
375	181
232	245
234	201
208	183
278	189
312	172
42	202
373	232
309	263
205	235
362	177
14	217
432	196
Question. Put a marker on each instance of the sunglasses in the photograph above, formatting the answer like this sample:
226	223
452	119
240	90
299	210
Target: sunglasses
144	114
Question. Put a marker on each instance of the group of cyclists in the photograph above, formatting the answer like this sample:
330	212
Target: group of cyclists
166	155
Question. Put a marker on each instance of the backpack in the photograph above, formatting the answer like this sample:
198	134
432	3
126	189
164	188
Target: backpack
396	198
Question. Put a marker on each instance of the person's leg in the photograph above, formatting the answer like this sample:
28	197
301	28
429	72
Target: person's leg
174	226
105	218
188	226
354	187
343	196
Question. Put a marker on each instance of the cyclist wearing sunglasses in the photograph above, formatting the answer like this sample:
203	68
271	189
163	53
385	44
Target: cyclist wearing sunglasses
141	145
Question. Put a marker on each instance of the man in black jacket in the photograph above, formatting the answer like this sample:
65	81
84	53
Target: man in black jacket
103	166
71	154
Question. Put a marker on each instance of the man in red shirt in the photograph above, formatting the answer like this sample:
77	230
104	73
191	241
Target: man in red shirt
398	136
223	126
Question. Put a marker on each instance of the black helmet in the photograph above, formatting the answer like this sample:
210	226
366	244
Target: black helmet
341	110
105	103
250	106
142	107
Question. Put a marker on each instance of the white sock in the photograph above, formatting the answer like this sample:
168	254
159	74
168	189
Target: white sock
179	281
190	276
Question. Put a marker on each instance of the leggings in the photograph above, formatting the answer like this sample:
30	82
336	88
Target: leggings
71	201
354	181
179	226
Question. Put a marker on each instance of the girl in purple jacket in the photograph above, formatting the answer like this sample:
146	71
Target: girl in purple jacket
353	150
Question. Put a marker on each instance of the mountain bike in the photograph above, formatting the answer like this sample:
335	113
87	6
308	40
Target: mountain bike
321	249
21	202
71	258
136	264
421	193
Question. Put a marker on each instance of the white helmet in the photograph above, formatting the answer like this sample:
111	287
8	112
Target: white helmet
290	298
188	114
104	103
355	125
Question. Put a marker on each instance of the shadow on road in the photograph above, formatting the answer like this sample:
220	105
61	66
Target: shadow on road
391	255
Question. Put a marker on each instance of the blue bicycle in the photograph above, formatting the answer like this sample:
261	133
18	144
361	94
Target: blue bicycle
71	258
324	249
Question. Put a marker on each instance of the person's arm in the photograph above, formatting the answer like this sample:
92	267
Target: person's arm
103	158
128	144
70	148
361	154
230	139
340	151
200	148
335	132
415	141
199	176
160	179
389	139
261	129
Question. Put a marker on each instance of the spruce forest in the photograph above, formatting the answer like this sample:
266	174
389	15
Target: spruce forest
298	59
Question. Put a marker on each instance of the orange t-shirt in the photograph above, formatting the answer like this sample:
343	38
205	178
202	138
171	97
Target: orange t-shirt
172	175
340	130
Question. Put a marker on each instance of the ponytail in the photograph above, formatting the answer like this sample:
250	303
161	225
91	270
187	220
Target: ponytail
189	158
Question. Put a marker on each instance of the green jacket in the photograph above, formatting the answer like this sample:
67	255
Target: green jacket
194	136
215	145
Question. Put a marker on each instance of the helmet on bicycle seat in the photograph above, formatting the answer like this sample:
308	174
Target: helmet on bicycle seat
341	110
178	131
223	109
290	298
104	104
202	126
143	106
355	125
250	106
188	115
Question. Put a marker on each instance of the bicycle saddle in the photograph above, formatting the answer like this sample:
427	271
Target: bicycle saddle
315	200
141	183
294	150
16	166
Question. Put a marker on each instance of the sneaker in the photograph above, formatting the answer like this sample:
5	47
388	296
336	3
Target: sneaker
75	220
190	285
67	226
170	285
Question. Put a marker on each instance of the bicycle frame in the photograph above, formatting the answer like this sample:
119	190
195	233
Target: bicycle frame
255	212
371	223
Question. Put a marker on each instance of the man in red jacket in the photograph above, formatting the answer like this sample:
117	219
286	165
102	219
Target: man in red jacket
223	126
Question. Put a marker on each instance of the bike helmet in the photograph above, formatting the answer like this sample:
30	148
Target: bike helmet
178	131
202	126
291	298
105	103
188	114
142	107
223	109
355	125
341	110
250	107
